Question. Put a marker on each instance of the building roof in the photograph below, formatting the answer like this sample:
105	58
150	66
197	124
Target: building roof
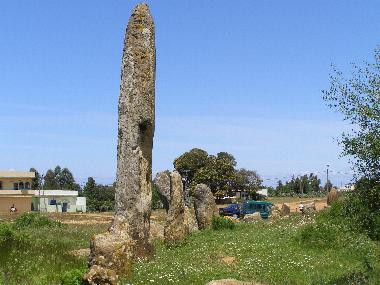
53	193
16	174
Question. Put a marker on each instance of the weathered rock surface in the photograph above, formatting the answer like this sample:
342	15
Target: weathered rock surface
285	210
332	196
156	231
163	186
175	228
99	275
252	217
128	236
204	205
190	219
231	282
275	212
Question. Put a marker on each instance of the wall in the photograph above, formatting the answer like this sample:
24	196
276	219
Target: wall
46	207
22	203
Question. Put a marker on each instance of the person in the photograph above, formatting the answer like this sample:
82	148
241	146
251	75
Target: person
13	209
301	207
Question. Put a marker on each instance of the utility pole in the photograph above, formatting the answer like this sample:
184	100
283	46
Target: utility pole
327	174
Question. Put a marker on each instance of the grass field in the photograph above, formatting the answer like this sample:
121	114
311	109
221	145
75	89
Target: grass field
273	252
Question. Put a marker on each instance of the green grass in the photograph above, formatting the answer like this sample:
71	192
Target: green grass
294	250
40	255
268	252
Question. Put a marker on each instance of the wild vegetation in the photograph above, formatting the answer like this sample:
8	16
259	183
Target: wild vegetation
298	249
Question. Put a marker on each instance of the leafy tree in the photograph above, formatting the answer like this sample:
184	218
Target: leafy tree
247	180
37	180
50	182
66	179
60	179
358	99
190	162
305	184
99	197
218	174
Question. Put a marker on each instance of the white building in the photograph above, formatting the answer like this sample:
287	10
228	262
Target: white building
59	201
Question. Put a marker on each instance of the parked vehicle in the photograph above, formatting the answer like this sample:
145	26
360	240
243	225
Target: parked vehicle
251	206
230	210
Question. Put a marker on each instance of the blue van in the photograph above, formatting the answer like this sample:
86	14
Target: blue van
251	206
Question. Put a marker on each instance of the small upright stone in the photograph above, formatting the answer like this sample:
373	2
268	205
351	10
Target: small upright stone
175	228
285	209
163	186
332	196
205	206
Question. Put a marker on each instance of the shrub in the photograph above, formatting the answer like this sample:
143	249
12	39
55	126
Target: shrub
35	220
219	223
6	232
72	277
318	235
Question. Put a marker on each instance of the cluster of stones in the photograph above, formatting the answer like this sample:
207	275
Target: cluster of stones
181	219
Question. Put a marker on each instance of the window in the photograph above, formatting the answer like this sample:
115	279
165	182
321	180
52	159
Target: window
1	185
27	185
21	185
15	186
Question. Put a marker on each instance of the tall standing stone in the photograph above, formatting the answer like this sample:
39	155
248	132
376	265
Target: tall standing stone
128	236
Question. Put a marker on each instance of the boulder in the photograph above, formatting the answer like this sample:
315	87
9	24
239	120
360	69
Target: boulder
308	208
99	275
175	228
275	212
285	210
204	205
252	217
332	196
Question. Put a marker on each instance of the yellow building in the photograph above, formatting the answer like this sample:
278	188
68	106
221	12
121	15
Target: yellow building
15	190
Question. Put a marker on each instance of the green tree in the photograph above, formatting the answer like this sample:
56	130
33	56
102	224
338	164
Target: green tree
37	181
218	173
66	180
358	99
190	162
50	182
99	197
247	180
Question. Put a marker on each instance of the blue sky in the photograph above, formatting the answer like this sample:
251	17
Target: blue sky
238	76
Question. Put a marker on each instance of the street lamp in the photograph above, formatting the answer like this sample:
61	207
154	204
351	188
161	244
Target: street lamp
39	193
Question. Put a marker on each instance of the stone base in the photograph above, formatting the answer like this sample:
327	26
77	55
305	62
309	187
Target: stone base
99	275
113	253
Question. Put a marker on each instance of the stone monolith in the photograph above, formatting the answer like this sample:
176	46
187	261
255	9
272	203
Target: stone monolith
128	236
